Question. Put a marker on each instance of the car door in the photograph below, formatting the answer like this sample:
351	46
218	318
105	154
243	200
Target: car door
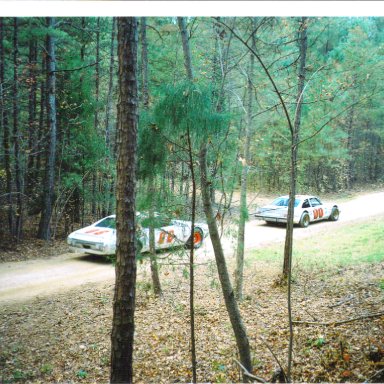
317	209
165	236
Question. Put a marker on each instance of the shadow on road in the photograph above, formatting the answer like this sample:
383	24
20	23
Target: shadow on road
96	259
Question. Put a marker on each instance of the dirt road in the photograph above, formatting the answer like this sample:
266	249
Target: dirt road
22	281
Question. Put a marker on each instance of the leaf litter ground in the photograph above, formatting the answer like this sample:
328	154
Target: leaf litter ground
66	337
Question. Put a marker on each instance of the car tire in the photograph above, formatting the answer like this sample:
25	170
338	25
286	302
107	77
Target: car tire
334	216
197	240
304	220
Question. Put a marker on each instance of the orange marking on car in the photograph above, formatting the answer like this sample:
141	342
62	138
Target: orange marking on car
92	230
161	238
171	235
100	232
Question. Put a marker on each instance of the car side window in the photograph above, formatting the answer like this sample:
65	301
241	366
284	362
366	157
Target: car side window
305	204
314	202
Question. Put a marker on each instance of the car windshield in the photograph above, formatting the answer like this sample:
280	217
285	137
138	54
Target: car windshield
142	219
158	221
108	222
283	202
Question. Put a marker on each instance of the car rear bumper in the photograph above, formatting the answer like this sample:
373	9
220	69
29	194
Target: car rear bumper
275	219
271	219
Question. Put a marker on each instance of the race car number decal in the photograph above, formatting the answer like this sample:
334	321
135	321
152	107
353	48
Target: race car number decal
318	213
169	235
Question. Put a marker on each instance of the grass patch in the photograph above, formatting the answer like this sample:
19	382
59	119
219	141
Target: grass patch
356	243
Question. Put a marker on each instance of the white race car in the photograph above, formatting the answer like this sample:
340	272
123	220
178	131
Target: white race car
307	210
100	237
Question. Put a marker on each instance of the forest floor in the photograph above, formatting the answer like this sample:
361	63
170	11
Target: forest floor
63	335
66	337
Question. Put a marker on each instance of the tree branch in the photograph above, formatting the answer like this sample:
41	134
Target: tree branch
369	316
250	375
265	70
76	69
276	359
335	117
376	375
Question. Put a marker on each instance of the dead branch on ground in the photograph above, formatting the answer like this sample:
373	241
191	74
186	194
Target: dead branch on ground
369	316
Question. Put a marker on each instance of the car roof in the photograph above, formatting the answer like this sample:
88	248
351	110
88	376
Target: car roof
300	197
137	215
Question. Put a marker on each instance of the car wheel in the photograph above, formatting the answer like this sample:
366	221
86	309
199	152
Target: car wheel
197	240
334	214
304	220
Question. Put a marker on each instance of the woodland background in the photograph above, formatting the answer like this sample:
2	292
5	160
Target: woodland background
53	180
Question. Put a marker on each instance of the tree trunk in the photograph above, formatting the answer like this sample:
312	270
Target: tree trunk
42	131
108	123
293	175
144	62
186	48
97	74
122	336
82	58
6	134
192	262
32	126
294	145
96	116
189	70
151	181
17	139
243	188
229	297
44	226
350	148
152	245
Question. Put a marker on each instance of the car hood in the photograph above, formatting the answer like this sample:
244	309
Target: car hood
94	234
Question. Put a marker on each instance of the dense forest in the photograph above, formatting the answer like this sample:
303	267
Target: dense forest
58	95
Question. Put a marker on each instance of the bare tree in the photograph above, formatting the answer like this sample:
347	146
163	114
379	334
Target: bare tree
226	286
287	269
244	179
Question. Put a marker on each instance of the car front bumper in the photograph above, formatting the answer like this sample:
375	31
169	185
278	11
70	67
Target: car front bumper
96	248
